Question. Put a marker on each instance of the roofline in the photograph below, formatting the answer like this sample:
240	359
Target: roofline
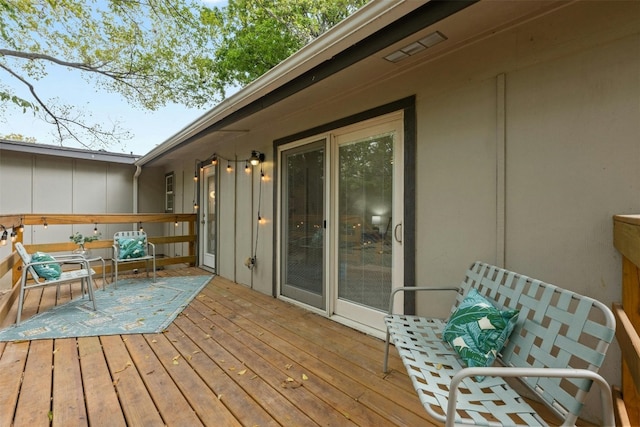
74	153
369	19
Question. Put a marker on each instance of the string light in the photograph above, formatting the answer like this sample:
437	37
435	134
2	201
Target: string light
95	229
214	160
141	228
3	239
229	169
176	224
45	222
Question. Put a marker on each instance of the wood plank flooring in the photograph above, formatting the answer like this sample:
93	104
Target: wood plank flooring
233	357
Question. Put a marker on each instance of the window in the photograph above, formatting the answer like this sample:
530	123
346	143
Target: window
168	192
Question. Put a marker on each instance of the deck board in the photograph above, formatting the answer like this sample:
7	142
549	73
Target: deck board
224	361
103	407
67	381
34	401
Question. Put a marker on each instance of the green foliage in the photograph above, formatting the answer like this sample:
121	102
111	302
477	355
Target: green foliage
257	35
18	137
80	239
152	52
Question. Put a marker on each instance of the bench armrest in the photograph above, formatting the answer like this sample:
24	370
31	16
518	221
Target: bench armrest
417	289
503	371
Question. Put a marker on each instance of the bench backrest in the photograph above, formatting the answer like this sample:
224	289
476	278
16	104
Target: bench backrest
556	328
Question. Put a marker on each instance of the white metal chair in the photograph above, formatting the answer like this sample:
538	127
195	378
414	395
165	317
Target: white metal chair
132	246
84	274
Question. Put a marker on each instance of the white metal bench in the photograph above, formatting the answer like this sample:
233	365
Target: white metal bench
83	274
555	349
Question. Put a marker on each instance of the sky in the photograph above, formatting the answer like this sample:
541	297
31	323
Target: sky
148	128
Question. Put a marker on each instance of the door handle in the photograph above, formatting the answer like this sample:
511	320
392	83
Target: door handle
395	232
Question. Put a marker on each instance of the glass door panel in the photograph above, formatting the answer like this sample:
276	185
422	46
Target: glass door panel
209	229
368	213
365	182
303	227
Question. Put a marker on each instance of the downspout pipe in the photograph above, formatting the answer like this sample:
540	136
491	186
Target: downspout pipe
135	188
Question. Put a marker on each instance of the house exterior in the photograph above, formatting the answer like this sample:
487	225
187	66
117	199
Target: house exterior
409	141
40	178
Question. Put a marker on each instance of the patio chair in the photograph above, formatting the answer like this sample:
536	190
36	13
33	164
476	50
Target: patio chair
40	269
132	246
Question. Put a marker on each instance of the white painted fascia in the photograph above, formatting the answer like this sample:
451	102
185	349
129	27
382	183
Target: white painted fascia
369	19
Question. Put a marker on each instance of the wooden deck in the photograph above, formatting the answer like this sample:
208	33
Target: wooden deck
233	357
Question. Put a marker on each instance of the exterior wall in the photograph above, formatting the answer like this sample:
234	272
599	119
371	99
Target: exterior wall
527	144
34	183
237	199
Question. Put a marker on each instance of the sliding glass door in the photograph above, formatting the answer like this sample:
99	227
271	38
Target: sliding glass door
340	222
302	226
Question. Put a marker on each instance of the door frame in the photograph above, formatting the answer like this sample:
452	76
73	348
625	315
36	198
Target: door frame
408	107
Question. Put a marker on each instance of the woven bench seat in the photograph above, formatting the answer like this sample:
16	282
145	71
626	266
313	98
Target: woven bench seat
555	349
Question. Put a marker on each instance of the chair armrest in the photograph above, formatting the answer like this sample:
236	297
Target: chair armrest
114	251
503	371
152	247
417	289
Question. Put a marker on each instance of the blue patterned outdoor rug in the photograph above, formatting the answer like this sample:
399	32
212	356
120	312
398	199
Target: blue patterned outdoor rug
137	306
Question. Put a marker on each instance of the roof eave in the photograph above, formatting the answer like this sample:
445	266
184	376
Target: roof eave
371	18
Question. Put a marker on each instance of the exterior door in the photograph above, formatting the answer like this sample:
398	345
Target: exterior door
302	224
368	213
208	221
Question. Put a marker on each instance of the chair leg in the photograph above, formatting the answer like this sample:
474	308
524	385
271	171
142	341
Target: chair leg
20	302
90	291
115	281
153	260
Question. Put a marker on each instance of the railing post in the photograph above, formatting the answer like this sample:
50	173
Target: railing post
192	245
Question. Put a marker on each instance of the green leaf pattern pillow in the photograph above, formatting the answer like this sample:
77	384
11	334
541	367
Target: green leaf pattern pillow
478	331
131	247
50	271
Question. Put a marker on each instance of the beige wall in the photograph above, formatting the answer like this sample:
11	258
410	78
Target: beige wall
34	183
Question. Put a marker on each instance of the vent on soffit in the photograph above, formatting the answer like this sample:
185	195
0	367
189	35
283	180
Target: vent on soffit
417	46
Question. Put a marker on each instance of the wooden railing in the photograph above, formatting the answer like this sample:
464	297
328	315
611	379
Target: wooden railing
12	263
626	237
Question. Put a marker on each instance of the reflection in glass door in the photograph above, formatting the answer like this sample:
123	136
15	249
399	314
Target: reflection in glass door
368	180
209	230
302	225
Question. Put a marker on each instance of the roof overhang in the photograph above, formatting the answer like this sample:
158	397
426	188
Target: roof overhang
307	66
353	52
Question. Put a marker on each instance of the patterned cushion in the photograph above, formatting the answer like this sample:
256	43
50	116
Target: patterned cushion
50	271
131	247
478	331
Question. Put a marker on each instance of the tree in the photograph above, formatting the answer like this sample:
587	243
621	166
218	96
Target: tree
257	35
18	137
152	52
